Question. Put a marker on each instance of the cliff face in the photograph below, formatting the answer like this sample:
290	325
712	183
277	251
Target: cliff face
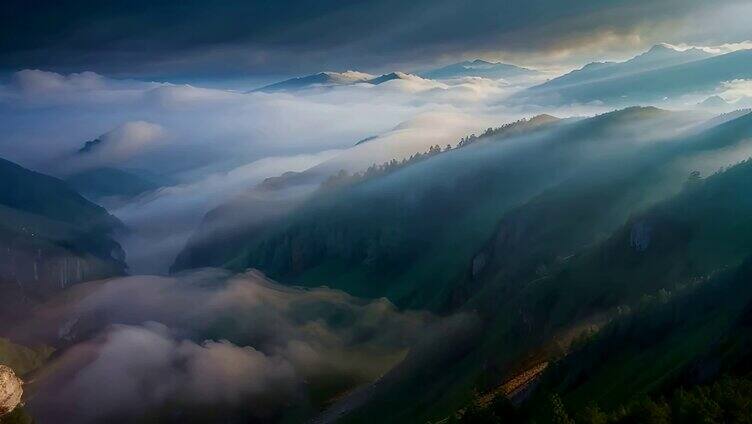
50	237
47	267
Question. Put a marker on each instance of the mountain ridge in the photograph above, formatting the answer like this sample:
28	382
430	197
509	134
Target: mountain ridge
333	79
478	68
622	84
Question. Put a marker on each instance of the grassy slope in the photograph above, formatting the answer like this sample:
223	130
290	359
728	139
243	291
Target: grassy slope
51	237
686	234
434	216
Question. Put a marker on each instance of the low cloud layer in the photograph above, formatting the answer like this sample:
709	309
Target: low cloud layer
132	369
205	340
121	145
206	146
737	91
212	128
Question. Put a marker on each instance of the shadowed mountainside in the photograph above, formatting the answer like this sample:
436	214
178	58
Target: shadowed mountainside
51	236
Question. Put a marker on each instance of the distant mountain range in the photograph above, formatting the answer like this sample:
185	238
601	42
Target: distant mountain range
478	68
663	72
333	79
659	56
660	73
324	79
475	68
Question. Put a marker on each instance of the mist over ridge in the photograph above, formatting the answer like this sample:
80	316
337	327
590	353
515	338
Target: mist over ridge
376	211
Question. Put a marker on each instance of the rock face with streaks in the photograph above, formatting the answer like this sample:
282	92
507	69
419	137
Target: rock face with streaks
50	236
11	390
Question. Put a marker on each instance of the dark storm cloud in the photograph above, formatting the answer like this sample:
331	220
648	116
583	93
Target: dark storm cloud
234	37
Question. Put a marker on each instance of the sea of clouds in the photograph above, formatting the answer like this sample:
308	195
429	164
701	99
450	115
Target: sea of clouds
209	145
208	339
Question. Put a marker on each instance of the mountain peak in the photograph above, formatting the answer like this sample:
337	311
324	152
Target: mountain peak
326	78
477	68
663	47
665	51
90	145
713	102
392	76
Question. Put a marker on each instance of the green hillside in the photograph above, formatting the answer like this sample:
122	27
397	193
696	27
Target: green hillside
658	304
546	237
433	216
52	237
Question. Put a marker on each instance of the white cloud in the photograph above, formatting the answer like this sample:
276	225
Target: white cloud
33	87
205	339
118	147
36	82
131	369
129	139
212	144
714	49
162	221
736	90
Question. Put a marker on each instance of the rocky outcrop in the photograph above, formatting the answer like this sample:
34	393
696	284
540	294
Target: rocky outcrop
11	390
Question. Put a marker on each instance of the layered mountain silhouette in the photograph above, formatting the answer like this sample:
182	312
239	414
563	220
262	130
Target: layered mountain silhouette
659	74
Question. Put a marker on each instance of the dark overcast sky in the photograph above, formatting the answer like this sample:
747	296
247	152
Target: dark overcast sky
231	38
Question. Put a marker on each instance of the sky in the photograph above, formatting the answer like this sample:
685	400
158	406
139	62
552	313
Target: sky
266	39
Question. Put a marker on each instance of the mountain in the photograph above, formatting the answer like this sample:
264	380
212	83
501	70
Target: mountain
333	79
478	68
666	53
714	102
401	250
524	125
366	140
600	299
51	236
90	145
690	257
659	56
391	77
549	234
211	244
653	76
103	182
322	79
